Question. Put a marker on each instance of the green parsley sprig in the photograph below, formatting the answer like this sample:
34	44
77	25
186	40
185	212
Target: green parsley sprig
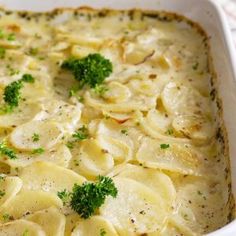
85	199
81	133
11	93
6	151
91	70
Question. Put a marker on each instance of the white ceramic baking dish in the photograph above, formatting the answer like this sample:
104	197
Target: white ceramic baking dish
210	16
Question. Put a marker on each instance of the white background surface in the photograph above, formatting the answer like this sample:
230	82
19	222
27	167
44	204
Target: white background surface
229	7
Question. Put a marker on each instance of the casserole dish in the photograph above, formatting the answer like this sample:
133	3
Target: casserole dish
211	18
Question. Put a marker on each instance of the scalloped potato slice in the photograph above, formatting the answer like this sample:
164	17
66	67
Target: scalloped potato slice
9	186
51	221
58	155
111	128
176	157
49	177
81	51
117	92
66	114
99	224
21	228
153	129
182	100
197	128
158	121
22	114
72	221
160	183
135	54
174	227
49	132
27	201
82	40
91	159
144	86
142	103
136	209
116	148
210	195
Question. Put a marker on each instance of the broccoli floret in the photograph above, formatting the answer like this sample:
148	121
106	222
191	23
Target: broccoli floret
91	70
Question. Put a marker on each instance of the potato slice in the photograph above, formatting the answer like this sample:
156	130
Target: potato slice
21	227
197	128
22	114
200	198
9	187
71	222
158	121
64	113
174	227
144	86
142	103
173	157
160	183
49	132
51	221
136	209
82	40
81	51
27	202
117	92
59	155
119	150
91	159
49	177
184	100
99	225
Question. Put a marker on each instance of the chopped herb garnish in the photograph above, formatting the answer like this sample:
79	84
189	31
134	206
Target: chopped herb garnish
2	177
81	133
195	66
2	35
199	192
102	232
169	131
91	70
26	233
11	37
64	196
87	198
28	78
100	89
6	217
2	193
72	93
12	71
124	131
38	151
2	52
35	137
164	146
33	51
6	151
70	145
